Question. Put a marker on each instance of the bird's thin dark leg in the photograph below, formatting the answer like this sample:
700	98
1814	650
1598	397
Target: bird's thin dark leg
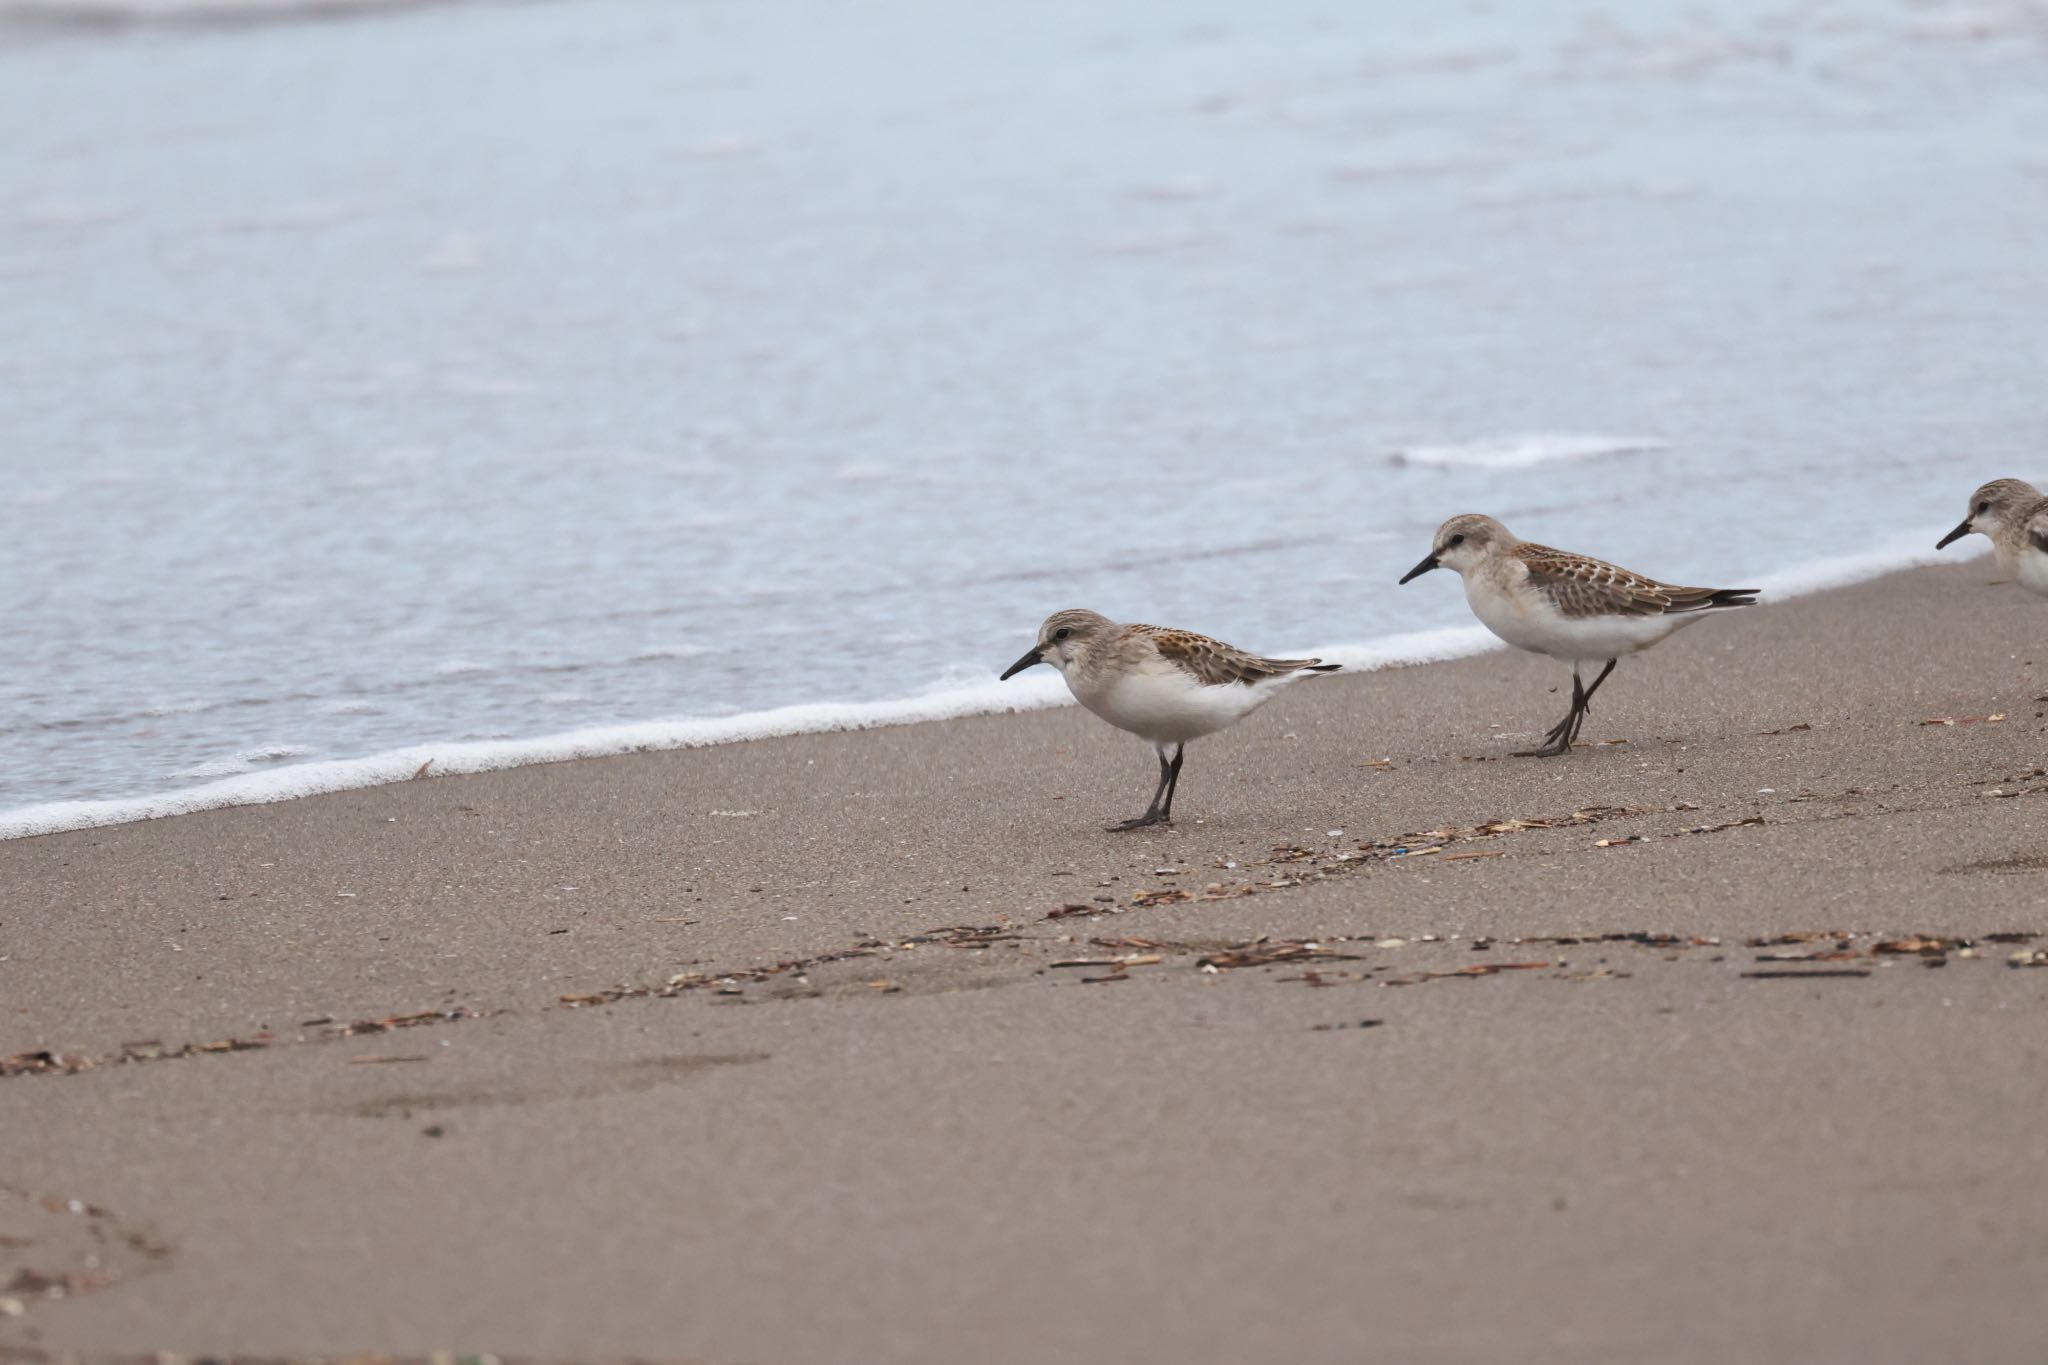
1558	739
1153	814
1586	701
1180	751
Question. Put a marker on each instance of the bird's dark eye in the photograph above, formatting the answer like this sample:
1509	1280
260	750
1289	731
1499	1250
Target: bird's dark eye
1062	633
1454	542
1982	508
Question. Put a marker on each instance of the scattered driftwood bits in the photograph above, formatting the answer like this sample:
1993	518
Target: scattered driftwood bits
1260	952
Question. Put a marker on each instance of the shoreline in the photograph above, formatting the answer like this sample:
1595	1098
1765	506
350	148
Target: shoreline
957	820
869	1044
297	781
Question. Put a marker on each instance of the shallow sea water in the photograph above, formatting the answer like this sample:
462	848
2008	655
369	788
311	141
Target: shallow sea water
479	373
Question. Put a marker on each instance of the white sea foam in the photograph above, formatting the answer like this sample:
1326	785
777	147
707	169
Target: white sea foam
1415	647
246	761
1523	452
190	706
984	697
961	692
349	706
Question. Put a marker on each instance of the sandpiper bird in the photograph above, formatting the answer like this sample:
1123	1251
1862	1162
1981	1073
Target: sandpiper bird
1168	686
2014	516
1568	606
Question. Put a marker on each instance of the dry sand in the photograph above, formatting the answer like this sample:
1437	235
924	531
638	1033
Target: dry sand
945	1146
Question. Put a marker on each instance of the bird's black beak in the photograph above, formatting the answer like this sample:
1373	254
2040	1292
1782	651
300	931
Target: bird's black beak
1428	563
1954	535
1031	656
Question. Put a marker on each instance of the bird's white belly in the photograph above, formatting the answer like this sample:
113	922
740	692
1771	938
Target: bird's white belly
1528	622
1168	707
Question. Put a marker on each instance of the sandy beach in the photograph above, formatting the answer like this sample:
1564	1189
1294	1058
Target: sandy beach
1709	1041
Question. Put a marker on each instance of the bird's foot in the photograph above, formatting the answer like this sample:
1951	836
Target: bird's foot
1150	817
1558	740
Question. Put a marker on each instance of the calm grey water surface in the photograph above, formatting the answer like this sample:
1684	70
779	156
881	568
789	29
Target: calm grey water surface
497	370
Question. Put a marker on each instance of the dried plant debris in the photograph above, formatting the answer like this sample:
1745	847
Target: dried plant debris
1262	952
2020	865
1147	899
1991	719
1407	845
1825	955
1807	974
1434	842
2026	957
1072	908
1716	829
1640	838
726	982
1475	970
729	983
964	936
1644	938
1836	945
1112	968
1924	944
1318	978
1808	946
46	1062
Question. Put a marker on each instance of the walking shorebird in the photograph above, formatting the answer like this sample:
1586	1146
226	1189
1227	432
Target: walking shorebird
2014	517
1166	686
1569	606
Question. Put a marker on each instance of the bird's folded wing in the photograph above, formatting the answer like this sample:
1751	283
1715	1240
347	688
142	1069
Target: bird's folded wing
1580	587
1213	663
2036	522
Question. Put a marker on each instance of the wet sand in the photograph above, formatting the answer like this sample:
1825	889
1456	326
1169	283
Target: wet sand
1515	1084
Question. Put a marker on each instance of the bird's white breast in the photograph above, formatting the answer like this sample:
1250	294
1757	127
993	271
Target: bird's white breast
1527	619
1166	704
